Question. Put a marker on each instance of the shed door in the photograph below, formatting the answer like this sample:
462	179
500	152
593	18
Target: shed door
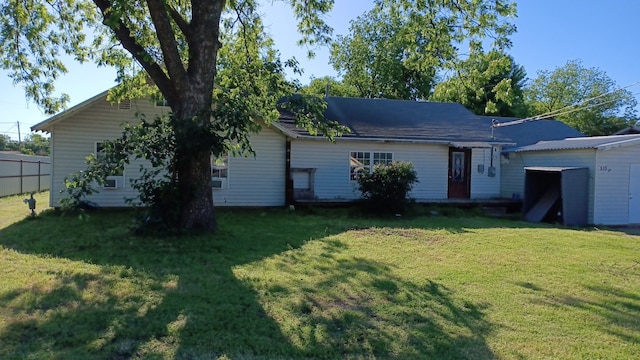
459	173
634	194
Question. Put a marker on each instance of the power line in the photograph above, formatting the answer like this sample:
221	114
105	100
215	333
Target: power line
565	110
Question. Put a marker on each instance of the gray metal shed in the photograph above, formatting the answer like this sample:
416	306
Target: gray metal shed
556	194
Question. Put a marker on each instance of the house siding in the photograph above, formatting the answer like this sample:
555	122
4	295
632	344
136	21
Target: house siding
484	186
611	196
331	161
256	180
513	172
75	138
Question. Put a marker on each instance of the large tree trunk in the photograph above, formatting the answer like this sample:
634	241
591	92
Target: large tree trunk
193	160
196	197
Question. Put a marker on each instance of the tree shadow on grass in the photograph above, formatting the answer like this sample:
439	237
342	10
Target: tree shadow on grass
355	307
620	310
97	292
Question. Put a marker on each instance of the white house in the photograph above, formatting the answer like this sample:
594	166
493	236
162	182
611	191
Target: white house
78	132
456	154
452	150
613	163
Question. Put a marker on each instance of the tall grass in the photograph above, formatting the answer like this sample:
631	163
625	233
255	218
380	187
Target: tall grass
324	285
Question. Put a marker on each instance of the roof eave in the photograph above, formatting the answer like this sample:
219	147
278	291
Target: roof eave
46	124
454	143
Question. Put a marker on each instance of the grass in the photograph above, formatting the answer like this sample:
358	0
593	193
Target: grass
317	285
13	208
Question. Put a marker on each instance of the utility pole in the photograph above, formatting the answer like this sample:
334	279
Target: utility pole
19	137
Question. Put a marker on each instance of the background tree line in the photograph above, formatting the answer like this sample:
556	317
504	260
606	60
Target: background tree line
33	144
388	55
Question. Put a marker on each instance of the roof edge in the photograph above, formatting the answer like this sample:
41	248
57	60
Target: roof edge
47	123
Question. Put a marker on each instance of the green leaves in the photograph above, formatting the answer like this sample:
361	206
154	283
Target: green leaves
34	35
387	187
585	98
487	84
396	49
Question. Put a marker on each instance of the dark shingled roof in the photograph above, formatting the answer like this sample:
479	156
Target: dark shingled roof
530	132
402	120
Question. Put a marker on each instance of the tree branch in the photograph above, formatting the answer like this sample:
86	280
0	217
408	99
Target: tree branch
123	33
183	24
167	39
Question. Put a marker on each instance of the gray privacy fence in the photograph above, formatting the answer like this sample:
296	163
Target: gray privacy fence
21	174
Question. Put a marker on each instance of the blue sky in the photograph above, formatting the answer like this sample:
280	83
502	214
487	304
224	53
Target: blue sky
603	34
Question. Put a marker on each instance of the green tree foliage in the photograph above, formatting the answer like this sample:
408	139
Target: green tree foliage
396	49
7	144
174	46
34	144
584	98
487	84
385	190
327	84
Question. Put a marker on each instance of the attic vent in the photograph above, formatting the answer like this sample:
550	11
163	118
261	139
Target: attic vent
124	105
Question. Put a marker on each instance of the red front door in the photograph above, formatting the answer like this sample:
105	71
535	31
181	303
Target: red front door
459	173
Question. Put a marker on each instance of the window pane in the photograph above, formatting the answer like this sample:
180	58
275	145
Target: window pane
457	166
219	166
382	158
359	162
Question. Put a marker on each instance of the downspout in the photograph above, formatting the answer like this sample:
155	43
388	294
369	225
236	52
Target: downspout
288	188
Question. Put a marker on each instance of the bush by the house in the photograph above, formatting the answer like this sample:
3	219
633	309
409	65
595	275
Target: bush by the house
386	188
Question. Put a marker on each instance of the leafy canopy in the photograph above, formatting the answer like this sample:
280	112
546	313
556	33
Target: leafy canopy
486	84
396	49
584	98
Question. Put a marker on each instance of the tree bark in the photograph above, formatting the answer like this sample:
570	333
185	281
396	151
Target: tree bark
196	208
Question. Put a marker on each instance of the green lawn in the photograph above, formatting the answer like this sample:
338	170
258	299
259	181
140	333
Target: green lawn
317	285
13	208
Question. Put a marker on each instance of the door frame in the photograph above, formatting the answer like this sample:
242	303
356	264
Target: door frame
459	183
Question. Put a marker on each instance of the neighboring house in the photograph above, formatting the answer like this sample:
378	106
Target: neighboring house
611	173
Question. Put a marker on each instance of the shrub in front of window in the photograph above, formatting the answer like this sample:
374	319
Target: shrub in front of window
386	188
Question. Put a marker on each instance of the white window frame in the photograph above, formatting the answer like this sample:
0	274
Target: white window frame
161	103
220	171
368	160
118	178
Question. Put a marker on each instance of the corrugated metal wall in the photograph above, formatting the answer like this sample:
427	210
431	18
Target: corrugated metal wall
21	173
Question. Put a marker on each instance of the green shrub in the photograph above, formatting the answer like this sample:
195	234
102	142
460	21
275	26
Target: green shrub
386	188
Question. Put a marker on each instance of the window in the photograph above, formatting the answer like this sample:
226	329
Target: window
382	158
361	162
115	179
219	171
457	166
